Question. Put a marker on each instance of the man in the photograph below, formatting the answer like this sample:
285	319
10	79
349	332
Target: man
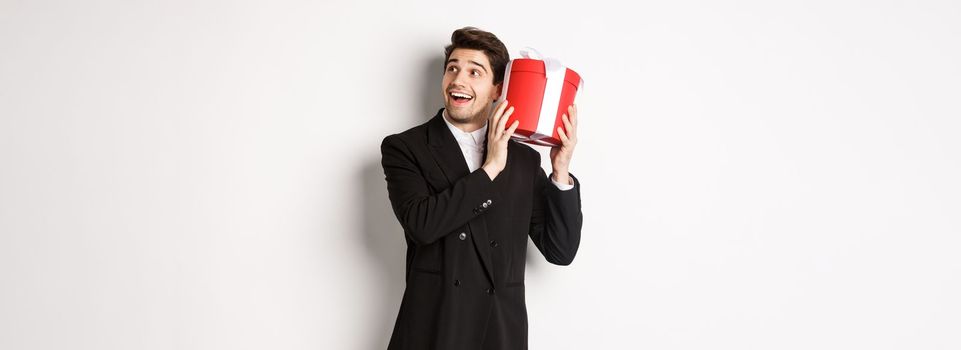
468	197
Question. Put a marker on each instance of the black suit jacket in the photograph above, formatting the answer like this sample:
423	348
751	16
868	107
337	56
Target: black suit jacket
467	238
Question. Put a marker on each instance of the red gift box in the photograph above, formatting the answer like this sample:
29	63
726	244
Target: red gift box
540	90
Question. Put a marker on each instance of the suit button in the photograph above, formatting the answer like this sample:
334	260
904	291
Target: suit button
493	243
490	290
484	205
456	282
462	236
488	202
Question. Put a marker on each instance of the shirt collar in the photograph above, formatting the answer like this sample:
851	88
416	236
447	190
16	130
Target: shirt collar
476	138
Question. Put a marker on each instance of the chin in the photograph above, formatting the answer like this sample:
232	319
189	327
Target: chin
458	114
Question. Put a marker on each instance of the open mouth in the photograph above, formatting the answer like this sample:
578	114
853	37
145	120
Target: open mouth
460	98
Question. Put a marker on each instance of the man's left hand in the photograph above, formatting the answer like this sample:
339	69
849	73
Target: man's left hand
561	155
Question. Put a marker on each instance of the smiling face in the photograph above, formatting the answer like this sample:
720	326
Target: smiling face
468	86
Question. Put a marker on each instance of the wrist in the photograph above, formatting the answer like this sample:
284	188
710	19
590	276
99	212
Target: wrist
560	172
562	178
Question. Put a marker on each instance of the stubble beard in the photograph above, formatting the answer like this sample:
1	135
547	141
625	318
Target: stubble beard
460	116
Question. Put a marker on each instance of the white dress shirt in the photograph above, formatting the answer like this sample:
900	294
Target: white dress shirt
472	147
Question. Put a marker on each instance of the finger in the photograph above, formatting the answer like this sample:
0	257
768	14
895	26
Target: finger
562	135
568	126
502	123
501	106
514	125
495	117
574	114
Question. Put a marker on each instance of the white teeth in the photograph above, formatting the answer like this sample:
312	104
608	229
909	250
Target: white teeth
457	94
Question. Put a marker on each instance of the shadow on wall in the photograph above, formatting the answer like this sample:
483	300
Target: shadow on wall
383	236
384	241
431	89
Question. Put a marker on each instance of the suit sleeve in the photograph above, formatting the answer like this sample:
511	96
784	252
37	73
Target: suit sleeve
562	187
427	217
556	218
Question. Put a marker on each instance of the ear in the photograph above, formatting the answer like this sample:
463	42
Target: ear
497	91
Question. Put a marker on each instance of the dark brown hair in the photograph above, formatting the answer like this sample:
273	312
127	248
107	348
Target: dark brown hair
476	39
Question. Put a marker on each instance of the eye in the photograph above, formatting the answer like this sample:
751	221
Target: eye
475	73
451	69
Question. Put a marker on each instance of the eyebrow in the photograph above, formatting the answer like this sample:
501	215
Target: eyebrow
470	61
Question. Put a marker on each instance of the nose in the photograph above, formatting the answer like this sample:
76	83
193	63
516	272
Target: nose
456	84
460	78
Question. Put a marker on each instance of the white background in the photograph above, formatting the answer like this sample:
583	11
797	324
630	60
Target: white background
206	174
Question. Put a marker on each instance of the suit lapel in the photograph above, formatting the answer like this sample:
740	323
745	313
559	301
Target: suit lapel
444	148
447	154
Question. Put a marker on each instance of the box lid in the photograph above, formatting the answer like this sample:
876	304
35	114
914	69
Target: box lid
537	66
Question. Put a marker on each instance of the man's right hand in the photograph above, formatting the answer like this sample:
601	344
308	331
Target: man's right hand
497	139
